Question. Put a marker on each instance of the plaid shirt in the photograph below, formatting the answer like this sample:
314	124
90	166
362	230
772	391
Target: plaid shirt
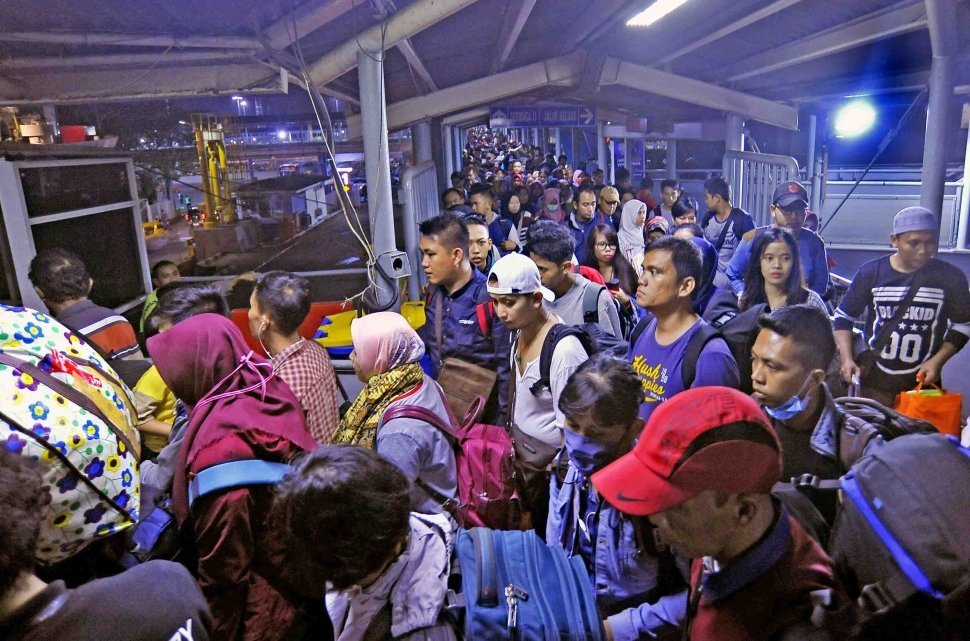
306	368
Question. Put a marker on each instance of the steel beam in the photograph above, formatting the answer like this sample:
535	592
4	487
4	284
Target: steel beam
407	49
130	59
662	83
132	40
737	25
305	20
413	19
557	71
516	15
943	36
884	24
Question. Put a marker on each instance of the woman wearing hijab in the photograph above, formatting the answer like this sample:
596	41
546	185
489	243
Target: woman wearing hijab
706	288
237	410
630	234
552	205
386	358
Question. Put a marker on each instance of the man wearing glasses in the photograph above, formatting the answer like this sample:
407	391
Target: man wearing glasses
606	208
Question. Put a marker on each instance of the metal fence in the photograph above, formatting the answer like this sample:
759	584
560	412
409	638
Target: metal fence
419	199
753	179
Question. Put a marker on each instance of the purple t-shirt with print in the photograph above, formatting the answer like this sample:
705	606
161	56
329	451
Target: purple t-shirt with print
659	366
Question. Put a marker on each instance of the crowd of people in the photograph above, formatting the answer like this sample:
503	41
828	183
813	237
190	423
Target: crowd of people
646	444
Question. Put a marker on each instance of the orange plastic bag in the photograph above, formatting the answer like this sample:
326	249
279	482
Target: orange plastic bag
936	406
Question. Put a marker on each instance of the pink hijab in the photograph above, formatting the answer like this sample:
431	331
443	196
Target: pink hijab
383	341
558	214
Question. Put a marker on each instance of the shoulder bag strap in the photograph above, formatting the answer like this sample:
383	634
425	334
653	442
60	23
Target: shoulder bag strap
724	230
885	332
418	413
232	474
437	294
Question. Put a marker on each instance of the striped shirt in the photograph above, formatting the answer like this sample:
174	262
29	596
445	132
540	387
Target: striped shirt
111	333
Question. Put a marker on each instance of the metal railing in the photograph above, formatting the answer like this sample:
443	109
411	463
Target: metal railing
418	194
753	179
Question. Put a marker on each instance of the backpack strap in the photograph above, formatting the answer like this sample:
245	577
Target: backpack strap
485	313
591	299
556	333
639	328
233	474
695	345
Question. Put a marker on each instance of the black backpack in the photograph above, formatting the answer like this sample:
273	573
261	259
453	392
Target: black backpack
901	542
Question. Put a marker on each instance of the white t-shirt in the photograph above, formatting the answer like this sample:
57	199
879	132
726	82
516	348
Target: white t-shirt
539	416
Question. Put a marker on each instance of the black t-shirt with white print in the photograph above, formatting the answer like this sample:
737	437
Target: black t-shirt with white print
940	310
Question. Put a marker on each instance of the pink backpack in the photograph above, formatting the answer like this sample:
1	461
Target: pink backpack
487	495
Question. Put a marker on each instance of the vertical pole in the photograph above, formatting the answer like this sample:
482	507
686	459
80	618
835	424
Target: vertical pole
733	141
601	148
964	223
558	143
811	174
449	141
421	141
672	158
380	208
50	117
937	129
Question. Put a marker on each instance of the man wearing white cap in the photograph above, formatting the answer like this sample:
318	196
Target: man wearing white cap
537	423
916	308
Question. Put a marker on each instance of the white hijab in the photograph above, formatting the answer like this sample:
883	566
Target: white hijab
630	234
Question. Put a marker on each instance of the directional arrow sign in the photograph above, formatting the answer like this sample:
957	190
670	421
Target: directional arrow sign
587	116
543	115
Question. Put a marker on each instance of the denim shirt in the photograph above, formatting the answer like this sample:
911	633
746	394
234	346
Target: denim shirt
620	570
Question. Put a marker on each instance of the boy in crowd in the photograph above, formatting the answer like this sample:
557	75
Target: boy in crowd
454	293
724	226
163	273
169	604
789	361
670	192
453	200
501	230
277	307
908	344
702	471
521	302
672	272
583	221
789	205
551	248
481	252
62	282
607	205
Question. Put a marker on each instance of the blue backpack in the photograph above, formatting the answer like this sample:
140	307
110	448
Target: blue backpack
514	586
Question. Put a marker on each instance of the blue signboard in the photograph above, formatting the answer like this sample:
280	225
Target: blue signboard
619	153
542	116
636	165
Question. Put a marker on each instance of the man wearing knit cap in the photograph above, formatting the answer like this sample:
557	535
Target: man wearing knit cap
702	472
916	342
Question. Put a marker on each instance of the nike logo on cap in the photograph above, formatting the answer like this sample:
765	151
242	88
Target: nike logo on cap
620	496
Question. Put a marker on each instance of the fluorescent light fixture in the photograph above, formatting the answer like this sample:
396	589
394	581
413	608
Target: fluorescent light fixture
654	12
854	119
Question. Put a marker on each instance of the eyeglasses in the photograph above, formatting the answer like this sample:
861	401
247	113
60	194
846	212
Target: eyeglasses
602	246
611	203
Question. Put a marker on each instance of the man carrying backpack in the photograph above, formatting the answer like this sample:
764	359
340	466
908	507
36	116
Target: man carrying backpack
675	341
789	360
576	300
724	226
536	421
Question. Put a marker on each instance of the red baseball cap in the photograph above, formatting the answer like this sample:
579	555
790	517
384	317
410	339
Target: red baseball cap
706	438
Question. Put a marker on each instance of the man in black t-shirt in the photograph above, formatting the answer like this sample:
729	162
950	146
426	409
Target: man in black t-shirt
935	326
155	601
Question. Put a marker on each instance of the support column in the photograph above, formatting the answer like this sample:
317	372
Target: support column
558	142
672	158
380	208
448	138
421	141
937	129
964	224
50	117
811	175
601	147
733	141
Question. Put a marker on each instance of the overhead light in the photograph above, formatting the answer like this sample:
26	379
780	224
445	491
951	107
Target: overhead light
237	98
654	12
854	119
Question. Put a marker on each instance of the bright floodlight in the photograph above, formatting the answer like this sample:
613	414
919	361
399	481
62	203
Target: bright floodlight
854	119
654	12
281	134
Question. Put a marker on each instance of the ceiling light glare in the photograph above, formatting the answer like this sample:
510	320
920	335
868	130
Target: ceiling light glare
654	12
854	119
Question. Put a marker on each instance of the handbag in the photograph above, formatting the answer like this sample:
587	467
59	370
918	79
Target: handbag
461	381
937	406
866	359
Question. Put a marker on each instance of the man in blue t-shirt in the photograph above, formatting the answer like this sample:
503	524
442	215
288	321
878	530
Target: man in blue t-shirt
672	268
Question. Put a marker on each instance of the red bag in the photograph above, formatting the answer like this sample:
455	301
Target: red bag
936	406
484	457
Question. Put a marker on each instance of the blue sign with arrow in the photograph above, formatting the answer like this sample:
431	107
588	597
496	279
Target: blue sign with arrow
542	116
